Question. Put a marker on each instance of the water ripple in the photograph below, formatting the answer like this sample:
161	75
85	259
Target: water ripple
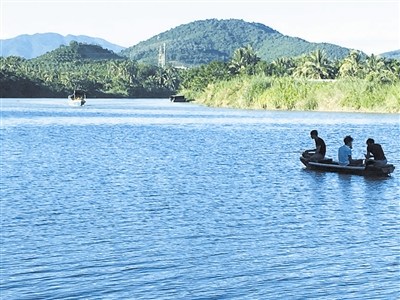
143	199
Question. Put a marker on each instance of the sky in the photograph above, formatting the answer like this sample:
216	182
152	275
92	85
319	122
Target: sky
369	26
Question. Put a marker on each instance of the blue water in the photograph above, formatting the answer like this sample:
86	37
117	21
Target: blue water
147	199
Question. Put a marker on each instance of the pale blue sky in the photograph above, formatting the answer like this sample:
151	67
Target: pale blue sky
370	26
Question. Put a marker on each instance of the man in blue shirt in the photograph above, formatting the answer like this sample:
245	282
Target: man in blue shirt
345	153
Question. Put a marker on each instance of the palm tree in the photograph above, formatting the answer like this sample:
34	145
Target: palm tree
244	60
282	66
374	63
352	65
316	65
377	69
170	78
394	66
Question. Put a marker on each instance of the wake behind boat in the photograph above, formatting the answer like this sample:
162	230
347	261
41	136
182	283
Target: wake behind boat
78	98
328	165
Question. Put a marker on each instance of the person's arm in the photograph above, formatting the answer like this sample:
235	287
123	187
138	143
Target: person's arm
316	150
369	154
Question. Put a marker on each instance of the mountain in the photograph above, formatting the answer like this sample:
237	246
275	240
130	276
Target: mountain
201	42
392	54
78	51
31	46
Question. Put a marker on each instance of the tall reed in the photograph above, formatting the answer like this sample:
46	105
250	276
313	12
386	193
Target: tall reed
288	93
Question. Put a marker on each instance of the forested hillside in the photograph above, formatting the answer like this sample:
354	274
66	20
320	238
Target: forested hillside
77	51
31	46
201	42
100	72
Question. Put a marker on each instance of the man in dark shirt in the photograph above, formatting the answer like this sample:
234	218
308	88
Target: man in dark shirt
320	148
375	151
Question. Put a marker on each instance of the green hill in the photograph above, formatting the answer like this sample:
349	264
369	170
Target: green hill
33	45
78	51
201	42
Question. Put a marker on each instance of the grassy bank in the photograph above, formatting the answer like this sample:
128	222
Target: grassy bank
287	93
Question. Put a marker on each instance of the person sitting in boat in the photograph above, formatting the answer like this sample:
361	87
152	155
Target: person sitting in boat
318	153
345	153
375	151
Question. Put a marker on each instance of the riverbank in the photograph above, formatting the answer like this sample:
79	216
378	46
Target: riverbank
287	93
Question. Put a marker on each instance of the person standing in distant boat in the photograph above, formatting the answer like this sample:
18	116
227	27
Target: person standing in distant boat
318	153
375	151
345	153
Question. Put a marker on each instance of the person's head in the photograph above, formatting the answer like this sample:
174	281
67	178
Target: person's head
314	134
370	142
348	140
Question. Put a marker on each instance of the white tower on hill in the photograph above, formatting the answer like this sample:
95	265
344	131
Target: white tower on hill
161	56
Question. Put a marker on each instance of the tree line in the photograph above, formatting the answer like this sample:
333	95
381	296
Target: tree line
313	66
122	77
99	78
309	82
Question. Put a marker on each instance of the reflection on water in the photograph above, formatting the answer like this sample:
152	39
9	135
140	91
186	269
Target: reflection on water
147	199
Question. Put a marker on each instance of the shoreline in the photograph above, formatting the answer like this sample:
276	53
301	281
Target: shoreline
290	94
204	103
343	110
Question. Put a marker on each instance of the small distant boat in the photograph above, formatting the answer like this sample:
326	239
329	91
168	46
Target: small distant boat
177	98
328	165
78	98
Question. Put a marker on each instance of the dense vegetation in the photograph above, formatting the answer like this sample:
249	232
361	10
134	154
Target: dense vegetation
308	82
77	51
100	72
202	42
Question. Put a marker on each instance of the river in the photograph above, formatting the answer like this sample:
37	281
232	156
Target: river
148	199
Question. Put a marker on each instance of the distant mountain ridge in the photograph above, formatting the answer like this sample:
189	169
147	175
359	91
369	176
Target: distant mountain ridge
392	54
31	46
195	43
201	42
